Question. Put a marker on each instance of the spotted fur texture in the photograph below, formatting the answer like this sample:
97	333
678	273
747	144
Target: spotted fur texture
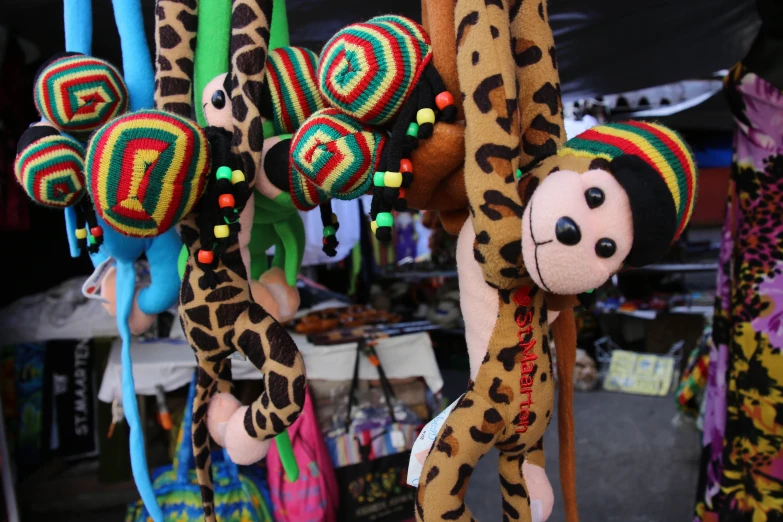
488	416
176	22
223	320
511	99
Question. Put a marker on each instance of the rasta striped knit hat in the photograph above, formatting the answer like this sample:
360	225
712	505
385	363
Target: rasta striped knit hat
369	69
79	93
291	91
50	169
658	172
146	170
332	156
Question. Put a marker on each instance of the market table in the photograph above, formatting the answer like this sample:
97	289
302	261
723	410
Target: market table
170	363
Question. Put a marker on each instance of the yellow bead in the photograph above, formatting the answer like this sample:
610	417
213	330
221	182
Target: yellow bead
425	116
392	179
221	231
237	177
373	226
81	233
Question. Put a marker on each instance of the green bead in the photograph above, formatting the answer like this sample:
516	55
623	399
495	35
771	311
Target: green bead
518	174
384	219
413	130
92	240
223	173
377	179
232	221
329	231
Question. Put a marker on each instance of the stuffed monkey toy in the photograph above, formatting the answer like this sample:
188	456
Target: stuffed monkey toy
543	221
217	310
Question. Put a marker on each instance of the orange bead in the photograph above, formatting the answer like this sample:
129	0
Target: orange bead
226	200
402	193
406	165
205	257
444	99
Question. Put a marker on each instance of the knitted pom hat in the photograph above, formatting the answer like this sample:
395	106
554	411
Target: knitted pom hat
79	93
291	91
332	156
657	170
146	170
51	170
369	69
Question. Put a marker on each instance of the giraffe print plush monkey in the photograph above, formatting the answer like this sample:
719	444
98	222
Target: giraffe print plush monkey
216	307
617	194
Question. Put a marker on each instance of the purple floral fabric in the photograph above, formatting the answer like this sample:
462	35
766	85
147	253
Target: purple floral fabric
742	477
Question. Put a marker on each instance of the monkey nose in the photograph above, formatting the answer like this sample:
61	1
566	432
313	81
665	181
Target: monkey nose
567	231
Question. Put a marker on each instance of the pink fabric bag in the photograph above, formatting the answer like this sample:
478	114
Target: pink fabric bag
314	496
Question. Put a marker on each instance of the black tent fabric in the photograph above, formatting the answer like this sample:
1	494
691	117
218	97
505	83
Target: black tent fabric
604	46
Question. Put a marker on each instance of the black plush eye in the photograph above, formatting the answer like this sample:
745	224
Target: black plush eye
219	99
594	197
605	248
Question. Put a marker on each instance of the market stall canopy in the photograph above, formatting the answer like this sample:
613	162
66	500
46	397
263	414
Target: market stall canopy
604	46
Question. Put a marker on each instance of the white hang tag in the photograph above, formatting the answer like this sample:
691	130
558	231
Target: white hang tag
91	289
397	439
537	510
423	444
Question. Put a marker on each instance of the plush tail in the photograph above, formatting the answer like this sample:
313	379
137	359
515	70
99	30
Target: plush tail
200	437
126	289
564	333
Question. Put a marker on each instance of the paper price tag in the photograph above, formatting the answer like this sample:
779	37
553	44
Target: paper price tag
91	289
423	444
397	439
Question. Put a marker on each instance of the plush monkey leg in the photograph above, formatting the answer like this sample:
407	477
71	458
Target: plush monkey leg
211	378
469	432
269	347
516	500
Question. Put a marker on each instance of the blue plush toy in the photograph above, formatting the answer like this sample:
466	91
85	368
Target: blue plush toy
161	251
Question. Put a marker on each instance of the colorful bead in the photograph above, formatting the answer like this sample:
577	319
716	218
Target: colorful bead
373	226
425	116
230	221
413	130
223	172
226	200
237	177
329	231
91	240
392	179
221	231
444	99
406	165
205	257
96	231
402	193
377	179
384	219
518	174
81	233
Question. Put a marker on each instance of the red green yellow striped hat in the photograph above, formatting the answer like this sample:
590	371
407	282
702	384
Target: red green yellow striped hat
145	171
50	170
79	93
369	69
650	161
292	88
332	156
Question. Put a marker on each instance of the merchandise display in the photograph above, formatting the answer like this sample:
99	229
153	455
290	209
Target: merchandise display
333	261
